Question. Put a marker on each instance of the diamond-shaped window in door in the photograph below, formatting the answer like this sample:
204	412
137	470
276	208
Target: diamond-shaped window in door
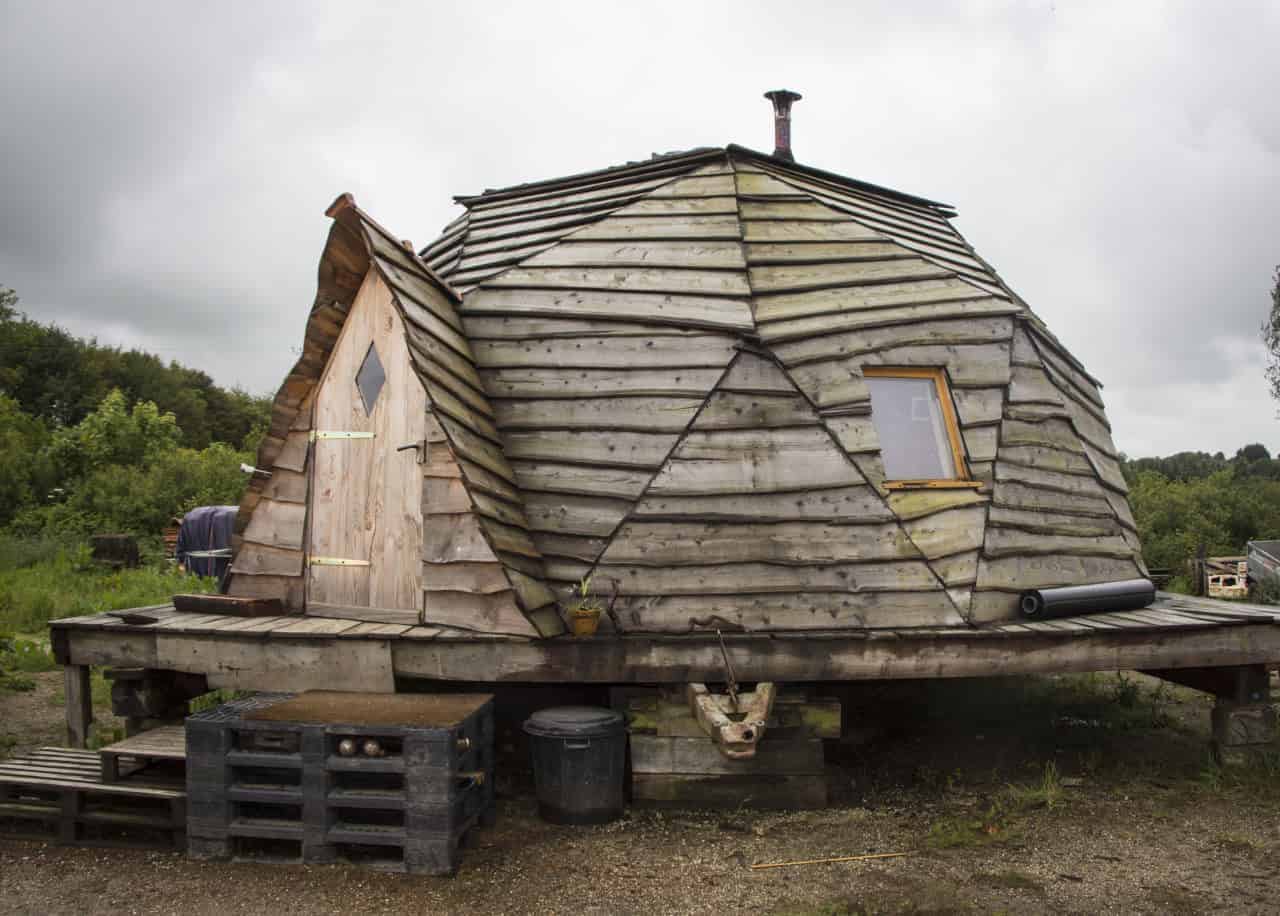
370	379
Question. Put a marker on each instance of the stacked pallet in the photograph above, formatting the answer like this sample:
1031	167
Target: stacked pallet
60	793
388	781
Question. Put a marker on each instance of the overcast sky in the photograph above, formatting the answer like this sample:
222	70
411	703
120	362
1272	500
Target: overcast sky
165	167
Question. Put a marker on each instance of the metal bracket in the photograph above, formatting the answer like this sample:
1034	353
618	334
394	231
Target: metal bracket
337	434
335	561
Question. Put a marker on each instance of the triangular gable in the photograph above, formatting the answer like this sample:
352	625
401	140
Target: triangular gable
445	366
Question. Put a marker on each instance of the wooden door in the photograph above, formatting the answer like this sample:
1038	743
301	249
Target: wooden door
365	513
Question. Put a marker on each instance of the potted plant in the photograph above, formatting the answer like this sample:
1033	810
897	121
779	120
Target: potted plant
584	610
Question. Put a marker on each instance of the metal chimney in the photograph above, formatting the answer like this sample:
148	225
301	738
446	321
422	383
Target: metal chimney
782	99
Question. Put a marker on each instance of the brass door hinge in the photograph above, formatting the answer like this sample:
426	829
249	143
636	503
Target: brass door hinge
337	434
335	561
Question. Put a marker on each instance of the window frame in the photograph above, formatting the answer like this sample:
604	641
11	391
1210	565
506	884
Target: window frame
938	374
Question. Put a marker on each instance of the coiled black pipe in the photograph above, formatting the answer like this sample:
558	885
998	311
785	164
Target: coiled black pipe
1129	595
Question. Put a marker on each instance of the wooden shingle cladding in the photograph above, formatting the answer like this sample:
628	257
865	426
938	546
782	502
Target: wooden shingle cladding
655	376
678	383
472	512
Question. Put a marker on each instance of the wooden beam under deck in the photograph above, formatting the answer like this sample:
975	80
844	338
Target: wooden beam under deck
290	653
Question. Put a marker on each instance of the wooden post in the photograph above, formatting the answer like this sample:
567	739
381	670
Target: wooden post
79	704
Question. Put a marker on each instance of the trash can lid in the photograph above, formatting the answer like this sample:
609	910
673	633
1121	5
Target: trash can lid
575	722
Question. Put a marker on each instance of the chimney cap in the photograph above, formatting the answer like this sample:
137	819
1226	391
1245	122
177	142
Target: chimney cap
782	99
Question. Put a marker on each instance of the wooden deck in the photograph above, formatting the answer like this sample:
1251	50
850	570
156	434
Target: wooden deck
303	653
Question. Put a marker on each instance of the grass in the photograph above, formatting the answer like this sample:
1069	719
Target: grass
43	580
20	658
1000	821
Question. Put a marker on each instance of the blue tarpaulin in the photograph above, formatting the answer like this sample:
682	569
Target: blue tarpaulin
206	531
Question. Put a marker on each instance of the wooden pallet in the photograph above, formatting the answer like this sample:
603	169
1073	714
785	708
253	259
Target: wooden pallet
58	793
166	744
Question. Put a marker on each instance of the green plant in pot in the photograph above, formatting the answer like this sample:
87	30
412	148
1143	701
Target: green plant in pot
584	609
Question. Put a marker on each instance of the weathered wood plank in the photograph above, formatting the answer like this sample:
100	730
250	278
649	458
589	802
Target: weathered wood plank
560	512
960	330
976	406
831	322
949	532
677	255
654	754
655	350
731	410
580	479
609	449
754	461
285	486
1020	573
586	383
1051	523
1014	542
519	328
981	442
913	504
1050	433
766	578
856	434
752	374
793	611
478	578
277	524
483	613
681	206
1015	495
682	310
1031	385
457	538
661	414
792	278
281	664
1047	459
760	254
789	231
856	503
686	281
259	560
1040	478
293	454
957	569
644	543
627	228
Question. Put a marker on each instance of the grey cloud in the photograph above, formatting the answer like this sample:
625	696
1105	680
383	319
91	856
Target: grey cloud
166	167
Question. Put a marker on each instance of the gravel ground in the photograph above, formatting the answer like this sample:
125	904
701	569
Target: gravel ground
1132	820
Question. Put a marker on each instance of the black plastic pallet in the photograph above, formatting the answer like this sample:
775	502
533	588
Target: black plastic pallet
282	791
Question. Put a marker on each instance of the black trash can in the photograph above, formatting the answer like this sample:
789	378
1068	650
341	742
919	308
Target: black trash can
579	758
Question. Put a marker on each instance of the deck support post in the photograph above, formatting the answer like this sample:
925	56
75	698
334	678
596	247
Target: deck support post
79	704
1242	732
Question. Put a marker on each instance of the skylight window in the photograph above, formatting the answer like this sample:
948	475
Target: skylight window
916	424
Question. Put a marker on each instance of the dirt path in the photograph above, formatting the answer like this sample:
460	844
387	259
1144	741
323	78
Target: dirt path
1113	809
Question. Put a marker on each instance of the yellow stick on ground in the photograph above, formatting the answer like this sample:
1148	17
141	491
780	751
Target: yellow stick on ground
874	855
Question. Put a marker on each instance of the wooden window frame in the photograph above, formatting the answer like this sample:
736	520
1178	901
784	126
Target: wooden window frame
938	375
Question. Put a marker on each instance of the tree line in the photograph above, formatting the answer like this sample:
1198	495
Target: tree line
96	438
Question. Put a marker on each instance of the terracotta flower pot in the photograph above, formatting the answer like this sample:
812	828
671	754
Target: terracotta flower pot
584	621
